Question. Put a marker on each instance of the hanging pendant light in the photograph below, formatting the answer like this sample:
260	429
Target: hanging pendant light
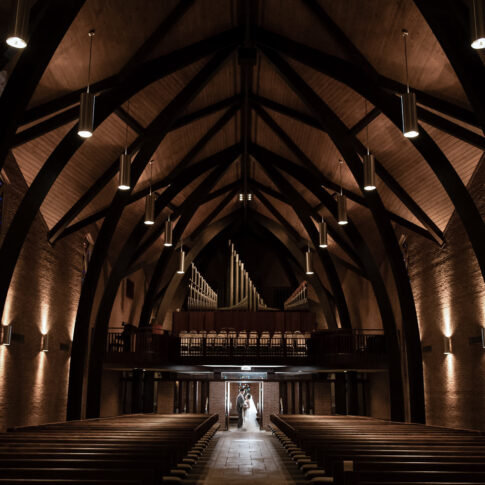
181	265
369	162
150	203
86	113
477	24
18	39
168	233
322	234
308	261
341	202
124	180
408	102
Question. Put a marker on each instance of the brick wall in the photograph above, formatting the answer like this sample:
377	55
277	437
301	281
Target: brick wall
43	296
450	300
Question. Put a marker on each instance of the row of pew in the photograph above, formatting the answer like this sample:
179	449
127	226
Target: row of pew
126	450
355	450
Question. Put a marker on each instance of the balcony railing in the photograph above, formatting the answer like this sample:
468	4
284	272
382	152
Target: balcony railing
338	348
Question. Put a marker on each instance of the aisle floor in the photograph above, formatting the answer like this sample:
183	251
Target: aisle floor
247	458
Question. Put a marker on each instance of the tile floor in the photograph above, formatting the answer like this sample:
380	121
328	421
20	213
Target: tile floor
246	458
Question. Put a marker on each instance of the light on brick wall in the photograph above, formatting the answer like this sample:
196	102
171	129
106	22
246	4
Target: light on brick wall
447	345
6	337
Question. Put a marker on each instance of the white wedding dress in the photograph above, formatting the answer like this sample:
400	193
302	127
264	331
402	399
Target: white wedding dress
250	421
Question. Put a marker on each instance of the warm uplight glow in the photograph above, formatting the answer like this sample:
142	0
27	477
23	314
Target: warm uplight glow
17	42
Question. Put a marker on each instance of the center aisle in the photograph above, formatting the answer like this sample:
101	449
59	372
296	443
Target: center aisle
245	458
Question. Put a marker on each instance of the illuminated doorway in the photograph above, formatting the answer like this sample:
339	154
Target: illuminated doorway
255	388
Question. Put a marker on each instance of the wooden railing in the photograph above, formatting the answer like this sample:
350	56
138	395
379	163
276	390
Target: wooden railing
343	348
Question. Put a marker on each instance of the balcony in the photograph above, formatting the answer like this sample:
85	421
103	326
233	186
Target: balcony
327	349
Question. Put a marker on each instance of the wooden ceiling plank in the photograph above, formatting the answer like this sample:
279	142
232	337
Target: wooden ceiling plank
449	20
72	98
299	52
54	17
285	138
63	224
365	121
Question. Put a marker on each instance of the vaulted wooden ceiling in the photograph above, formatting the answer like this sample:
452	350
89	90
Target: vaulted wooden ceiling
251	111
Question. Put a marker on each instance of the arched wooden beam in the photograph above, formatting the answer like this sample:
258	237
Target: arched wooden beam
339	135
118	272
58	159
261	153
55	17
304	213
382	298
190	207
434	233
62	228
259	189
390	106
156	131
450	109
449	21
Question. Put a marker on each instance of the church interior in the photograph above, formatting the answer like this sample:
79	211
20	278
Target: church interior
242	240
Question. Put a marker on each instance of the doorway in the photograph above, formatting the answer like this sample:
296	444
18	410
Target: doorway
255	388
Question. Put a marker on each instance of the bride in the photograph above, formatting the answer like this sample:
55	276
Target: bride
250	421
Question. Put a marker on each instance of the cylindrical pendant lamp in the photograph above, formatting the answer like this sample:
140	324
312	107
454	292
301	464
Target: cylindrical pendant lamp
322	234
342	209
86	108
124	182
369	172
181	265
308	262
477	24
86	115
408	101
409	115
150	209
18	38
168	233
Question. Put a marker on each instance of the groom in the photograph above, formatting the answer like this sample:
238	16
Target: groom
240	407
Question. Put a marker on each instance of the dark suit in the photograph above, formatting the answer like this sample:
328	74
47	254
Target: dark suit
239	407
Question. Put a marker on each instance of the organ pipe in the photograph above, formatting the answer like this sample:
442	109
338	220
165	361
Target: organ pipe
201	295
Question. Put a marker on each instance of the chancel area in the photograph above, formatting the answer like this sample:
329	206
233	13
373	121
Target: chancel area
242	241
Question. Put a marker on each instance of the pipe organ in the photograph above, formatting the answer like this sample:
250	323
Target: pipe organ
241	292
201	295
298	299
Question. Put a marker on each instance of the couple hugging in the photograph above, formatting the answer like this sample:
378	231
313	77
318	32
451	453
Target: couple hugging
246	411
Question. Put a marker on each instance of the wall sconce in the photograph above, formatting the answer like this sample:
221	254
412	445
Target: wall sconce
447	345
44	343
482	330
6	335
